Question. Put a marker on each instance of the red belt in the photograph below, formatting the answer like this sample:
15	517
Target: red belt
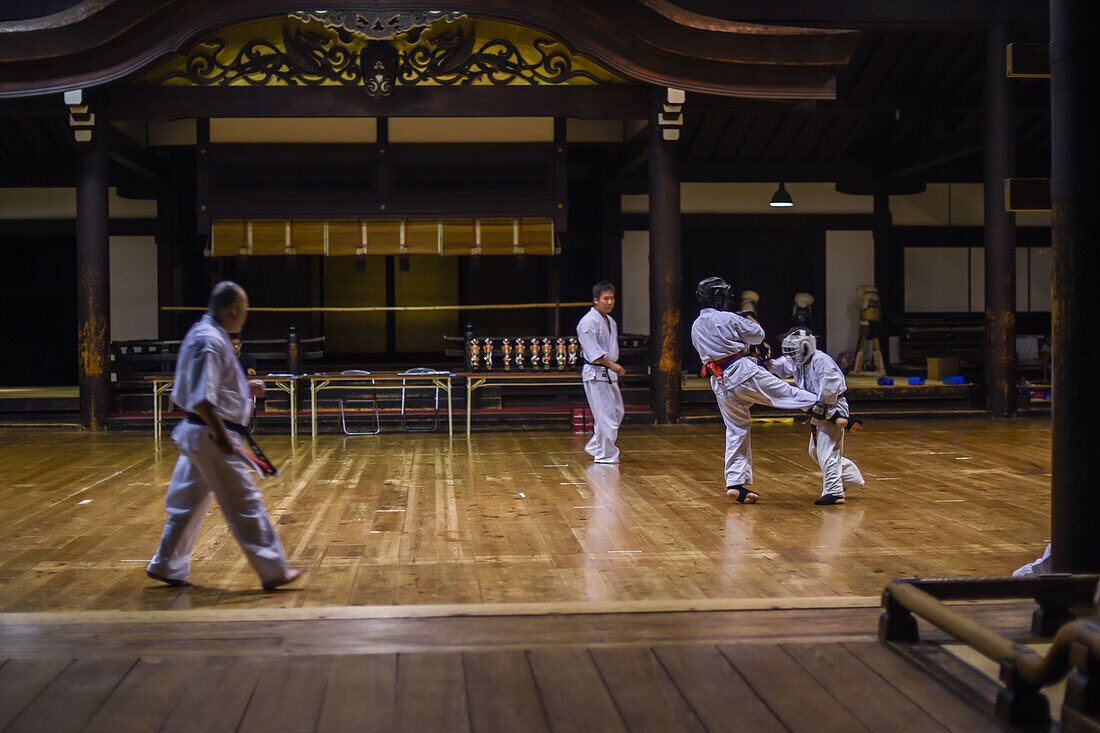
717	367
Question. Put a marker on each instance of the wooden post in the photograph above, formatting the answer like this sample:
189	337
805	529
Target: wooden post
1075	158
93	273
664	267
1000	229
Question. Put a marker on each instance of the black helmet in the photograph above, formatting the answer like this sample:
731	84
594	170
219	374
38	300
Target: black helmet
713	292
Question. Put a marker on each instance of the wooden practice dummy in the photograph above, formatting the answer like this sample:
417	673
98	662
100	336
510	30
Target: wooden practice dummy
870	326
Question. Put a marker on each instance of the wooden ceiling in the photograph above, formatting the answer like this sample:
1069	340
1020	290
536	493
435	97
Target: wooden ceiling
908	107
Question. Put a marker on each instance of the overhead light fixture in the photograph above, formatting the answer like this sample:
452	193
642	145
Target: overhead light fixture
781	197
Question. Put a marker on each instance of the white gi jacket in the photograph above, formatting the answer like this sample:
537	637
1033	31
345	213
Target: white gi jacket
207	370
598	338
718	335
821	376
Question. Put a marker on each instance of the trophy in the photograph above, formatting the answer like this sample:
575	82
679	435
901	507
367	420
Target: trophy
572	353
519	354
534	342
488	354
559	353
546	353
474	350
506	352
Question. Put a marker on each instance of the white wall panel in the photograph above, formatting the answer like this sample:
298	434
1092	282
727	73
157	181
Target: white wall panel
634	300
849	263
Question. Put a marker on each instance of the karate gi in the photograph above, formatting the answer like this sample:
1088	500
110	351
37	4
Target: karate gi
599	337
718	335
208	371
823	377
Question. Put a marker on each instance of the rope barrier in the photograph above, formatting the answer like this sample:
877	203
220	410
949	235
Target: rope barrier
385	308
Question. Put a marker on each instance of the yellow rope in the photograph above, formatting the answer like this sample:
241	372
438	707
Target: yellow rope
383	308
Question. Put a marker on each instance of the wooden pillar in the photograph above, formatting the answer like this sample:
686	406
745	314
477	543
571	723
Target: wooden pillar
887	264
93	271
1000	229
664	268
1075	158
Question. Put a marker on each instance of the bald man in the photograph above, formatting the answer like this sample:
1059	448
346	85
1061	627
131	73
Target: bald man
211	387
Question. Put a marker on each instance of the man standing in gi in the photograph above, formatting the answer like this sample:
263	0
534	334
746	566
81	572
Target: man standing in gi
211	387
722	339
598	337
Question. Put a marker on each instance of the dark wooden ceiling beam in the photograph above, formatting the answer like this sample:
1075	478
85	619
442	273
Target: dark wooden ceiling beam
619	101
935	152
862	14
648	42
129	154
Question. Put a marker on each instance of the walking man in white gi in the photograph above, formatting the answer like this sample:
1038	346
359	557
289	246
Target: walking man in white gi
598	337
211	387
815	371
722	339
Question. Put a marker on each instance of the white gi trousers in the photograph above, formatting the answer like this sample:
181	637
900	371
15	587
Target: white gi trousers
827	448
203	472
606	402
762	388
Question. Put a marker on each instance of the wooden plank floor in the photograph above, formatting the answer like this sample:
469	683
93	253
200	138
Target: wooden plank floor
795	670
524	517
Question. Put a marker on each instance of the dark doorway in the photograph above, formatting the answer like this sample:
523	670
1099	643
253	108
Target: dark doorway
38	298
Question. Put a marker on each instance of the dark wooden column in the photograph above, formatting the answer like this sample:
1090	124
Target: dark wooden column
887	274
93	271
1075	199
664	268
1000	229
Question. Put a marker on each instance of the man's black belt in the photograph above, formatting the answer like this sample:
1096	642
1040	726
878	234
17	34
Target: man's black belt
256	457
196	419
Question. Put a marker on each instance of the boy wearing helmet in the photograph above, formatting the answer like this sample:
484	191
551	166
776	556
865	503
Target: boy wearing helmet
723	340
815	371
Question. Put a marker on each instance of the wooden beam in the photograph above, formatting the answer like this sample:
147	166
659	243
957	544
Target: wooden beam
618	101
1027	194
877	13
1029	60
936	151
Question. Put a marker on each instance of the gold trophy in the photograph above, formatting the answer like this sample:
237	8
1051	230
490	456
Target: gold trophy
506	354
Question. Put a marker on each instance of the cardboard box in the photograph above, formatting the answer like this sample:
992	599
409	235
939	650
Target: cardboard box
942	366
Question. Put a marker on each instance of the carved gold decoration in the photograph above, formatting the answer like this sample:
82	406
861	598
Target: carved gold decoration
460	52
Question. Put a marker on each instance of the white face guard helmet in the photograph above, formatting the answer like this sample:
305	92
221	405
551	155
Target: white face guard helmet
799	346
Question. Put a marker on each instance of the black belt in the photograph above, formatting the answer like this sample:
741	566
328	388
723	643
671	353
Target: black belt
196	419
257	458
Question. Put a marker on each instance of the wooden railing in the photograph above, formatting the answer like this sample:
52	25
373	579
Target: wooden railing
1024	672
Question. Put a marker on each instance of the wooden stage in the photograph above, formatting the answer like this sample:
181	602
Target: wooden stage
504	582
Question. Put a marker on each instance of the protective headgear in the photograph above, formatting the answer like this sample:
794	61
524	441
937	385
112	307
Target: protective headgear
749	299
713	292
799	346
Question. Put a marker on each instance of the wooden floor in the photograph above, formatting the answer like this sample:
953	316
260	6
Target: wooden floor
794	670
525	517
506	583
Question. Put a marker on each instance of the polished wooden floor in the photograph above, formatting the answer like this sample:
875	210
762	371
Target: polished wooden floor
795	670
523	517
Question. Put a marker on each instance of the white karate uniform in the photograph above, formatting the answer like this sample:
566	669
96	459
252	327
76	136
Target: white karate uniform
208	371
823	377
718	335
599	337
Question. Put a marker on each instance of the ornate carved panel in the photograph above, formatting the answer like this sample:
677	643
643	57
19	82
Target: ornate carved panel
313	52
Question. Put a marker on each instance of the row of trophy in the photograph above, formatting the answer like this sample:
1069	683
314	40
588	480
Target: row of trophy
534	354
